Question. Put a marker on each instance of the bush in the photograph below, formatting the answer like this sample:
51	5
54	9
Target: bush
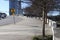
40	37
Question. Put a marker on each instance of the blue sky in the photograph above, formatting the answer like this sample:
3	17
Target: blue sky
4	7
53	13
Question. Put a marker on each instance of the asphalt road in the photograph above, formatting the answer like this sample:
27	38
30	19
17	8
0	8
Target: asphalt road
22	30
57	33
10	20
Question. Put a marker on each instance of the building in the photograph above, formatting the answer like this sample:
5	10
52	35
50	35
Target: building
16	5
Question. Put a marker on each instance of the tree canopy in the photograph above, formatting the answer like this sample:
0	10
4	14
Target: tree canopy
38	5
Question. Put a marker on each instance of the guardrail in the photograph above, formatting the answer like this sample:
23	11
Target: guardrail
52	24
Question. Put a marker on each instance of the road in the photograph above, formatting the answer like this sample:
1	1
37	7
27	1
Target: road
23	30
57	33
9	20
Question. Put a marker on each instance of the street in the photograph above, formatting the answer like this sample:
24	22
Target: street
23	30
9	20
57	33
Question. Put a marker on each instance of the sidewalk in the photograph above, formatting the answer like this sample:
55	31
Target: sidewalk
56	33
23	30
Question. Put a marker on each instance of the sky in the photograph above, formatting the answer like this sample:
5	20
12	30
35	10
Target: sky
4	7
53	13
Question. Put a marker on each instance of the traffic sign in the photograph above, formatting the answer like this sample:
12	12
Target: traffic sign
12	10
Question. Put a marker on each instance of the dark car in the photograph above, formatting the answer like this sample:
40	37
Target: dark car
3	15
58	23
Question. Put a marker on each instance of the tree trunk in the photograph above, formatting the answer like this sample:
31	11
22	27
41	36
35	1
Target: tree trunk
45	18
43	23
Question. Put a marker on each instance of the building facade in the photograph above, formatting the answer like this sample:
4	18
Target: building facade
16	5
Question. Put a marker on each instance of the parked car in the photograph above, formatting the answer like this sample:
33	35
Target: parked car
58	23
3	15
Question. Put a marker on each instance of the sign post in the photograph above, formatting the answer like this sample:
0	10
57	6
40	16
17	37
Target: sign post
13	11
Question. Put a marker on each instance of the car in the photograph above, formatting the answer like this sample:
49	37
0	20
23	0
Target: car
58	23
3	15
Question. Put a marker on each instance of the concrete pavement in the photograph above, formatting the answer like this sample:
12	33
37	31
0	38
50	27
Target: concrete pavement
9	20
23	30
56	33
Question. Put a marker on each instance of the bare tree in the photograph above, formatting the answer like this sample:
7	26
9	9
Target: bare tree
44	6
